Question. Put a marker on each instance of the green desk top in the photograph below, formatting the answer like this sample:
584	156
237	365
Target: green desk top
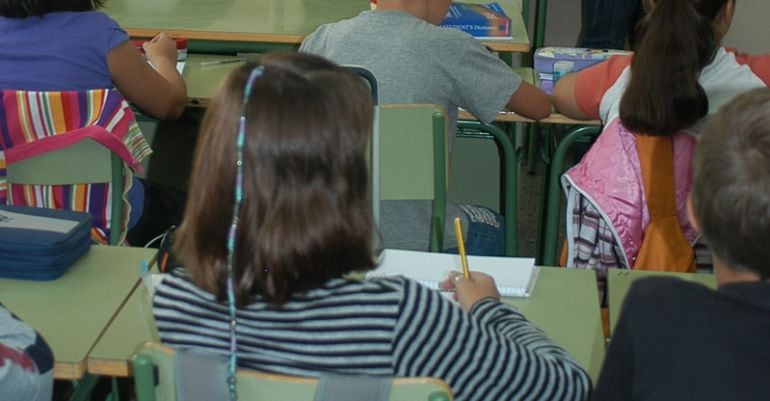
202	80
262	21
133	326
564	303
72	311
619	281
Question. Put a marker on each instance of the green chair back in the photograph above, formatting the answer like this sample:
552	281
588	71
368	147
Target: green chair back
413	159
83	162
154	377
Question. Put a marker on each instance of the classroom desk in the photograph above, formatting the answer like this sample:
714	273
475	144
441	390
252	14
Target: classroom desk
619	281
511	117
564	303
263	21
528	75
202	81
133	326
72	311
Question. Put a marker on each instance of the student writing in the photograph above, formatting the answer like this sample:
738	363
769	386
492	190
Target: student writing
68	45
304	222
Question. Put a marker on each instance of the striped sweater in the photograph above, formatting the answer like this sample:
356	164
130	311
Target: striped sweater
385	326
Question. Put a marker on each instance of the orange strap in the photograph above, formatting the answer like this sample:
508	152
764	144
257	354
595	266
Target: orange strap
664	246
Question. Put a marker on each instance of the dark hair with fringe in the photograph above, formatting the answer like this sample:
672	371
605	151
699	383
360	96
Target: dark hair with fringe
37	8
306	213
676	40
731	183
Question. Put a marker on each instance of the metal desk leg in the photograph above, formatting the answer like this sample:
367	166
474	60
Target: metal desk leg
509	161
554	190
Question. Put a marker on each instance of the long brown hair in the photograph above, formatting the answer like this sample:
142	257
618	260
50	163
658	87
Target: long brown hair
676	40
305	216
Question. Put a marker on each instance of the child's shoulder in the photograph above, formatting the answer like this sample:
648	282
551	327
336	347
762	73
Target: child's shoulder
94	21
659	292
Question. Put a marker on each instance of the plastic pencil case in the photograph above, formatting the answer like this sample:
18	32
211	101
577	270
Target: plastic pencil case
39	243
581	58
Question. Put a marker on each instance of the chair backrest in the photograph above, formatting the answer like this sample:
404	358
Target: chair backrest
85	162
69	150
413	159
155	379
373	153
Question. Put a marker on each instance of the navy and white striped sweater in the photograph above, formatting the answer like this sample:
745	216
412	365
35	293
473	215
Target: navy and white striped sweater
385	326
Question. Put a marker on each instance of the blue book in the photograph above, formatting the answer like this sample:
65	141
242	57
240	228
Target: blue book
482	21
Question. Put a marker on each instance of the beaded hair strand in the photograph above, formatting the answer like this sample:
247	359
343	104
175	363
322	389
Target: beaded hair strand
238	196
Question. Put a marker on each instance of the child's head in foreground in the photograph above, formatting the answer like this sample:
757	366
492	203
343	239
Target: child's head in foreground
731	183
306	214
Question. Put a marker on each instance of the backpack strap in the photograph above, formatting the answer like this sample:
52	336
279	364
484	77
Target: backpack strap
664	246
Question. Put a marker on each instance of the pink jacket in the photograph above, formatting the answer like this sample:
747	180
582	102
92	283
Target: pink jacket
609	177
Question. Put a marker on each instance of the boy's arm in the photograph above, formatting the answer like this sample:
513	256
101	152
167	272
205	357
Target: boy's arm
529	101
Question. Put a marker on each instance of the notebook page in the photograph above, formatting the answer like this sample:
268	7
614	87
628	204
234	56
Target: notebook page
515	277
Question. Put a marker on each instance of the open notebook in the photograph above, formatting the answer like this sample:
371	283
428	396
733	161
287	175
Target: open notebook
515	277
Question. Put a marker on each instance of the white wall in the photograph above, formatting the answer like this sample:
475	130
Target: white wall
750	31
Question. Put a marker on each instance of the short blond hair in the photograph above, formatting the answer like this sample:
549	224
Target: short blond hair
731	183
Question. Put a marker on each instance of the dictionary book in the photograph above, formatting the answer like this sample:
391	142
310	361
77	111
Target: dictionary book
482	21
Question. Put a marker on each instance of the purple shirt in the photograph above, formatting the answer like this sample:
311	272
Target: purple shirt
62	51
59	51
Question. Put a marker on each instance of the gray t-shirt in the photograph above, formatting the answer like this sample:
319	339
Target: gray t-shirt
417	62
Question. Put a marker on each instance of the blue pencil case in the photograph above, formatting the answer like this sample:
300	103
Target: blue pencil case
553	62
39	243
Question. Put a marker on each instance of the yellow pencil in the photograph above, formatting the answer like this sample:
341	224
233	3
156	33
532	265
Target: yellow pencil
461	247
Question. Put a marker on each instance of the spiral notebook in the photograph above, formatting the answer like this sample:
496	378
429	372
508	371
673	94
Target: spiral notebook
515	277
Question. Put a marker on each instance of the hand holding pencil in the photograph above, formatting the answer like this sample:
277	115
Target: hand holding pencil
469	287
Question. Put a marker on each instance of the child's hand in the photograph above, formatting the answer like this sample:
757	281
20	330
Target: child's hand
161	47
468	292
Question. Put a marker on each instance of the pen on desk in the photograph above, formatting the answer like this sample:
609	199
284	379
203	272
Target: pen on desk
220	62
461	248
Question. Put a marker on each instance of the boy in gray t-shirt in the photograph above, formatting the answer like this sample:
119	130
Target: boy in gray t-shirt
416	61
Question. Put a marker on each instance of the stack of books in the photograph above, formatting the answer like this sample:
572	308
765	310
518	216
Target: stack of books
553	62
482	21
